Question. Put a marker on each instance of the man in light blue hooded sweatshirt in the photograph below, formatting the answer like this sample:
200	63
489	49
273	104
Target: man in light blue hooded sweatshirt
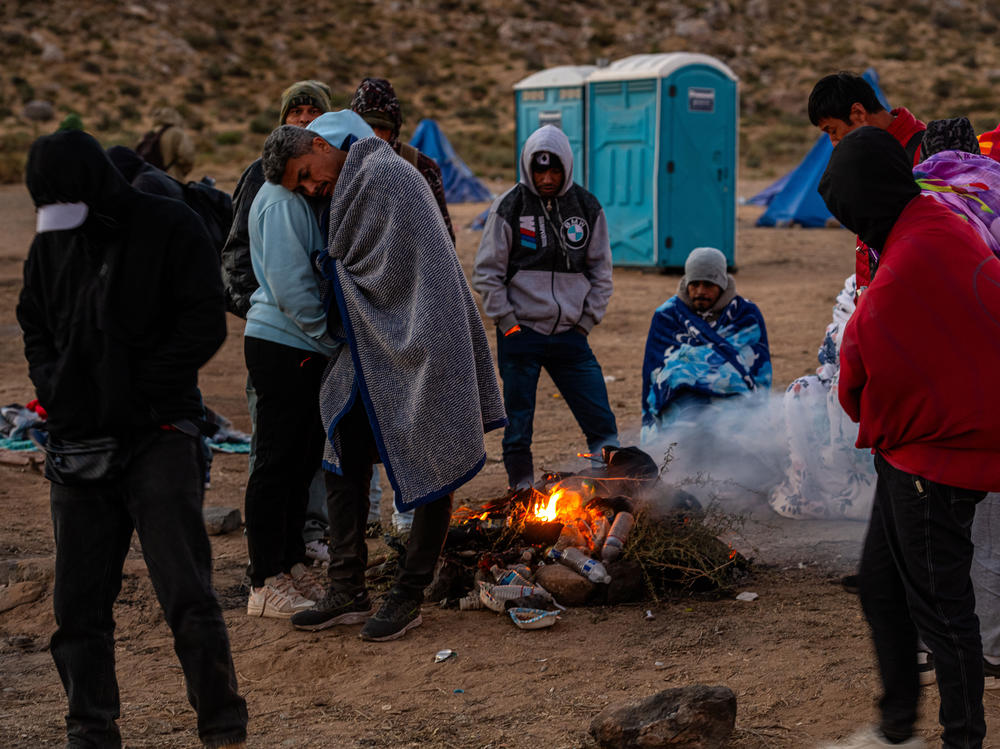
287	348
544	272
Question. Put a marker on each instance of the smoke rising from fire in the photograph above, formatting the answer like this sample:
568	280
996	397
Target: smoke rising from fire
731	454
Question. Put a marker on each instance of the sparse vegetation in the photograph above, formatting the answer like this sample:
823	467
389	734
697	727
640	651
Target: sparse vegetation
455	60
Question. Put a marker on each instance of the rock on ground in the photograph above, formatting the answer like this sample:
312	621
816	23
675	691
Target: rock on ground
692	717
220	520
565	585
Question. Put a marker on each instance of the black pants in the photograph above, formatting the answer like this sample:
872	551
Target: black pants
347	504
160	497
288	436
915	581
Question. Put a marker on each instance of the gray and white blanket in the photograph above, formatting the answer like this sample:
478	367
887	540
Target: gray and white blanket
417	353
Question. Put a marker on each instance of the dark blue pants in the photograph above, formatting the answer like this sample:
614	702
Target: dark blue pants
288	448
915	581
160	497
574	370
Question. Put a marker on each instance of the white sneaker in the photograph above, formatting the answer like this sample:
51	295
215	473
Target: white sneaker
307	582
318	550
872	738
276	599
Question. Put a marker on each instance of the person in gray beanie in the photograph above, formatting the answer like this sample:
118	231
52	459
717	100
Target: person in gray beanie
705	343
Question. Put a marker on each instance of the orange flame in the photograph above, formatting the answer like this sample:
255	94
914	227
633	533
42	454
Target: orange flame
564	505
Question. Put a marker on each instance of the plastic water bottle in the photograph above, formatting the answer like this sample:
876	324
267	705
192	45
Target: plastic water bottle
601	528
577	560
617	536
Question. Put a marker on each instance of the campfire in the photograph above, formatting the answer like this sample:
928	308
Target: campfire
581	539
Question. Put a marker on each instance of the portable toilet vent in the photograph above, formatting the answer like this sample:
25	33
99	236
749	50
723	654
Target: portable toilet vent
662	135
553	97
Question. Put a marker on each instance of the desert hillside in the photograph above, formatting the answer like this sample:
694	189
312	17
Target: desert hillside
224	64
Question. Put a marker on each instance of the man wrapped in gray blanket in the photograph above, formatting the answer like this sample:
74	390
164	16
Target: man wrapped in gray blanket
413	385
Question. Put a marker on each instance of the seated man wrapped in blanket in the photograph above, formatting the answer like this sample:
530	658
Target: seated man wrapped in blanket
705	344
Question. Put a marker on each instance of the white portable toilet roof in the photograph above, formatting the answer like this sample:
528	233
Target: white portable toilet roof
564	75
656	66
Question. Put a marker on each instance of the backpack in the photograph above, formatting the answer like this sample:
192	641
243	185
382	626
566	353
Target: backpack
409	153
149	148
215	208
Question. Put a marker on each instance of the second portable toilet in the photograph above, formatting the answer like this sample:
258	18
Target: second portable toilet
662	136
553	97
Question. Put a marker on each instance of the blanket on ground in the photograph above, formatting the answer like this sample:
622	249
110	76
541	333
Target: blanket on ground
417	353
686	356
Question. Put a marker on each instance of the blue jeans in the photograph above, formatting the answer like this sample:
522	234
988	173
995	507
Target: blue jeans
914	580
160	498
574	370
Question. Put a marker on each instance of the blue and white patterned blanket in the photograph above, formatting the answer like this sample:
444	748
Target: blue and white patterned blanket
689	359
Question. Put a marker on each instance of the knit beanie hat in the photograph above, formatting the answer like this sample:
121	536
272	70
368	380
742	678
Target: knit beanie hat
955	134
304	92
542	160
377	103
706	264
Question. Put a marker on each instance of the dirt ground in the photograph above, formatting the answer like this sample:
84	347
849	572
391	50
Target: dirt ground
798	658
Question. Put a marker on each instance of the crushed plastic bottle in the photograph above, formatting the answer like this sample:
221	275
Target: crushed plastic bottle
617	536
575	559
510	576
471	602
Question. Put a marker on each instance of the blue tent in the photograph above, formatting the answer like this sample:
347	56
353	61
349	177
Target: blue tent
460	184
794	199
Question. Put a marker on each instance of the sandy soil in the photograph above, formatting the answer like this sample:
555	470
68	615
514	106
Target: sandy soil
798	658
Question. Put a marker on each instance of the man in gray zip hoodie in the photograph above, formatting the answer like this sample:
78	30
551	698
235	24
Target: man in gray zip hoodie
544	272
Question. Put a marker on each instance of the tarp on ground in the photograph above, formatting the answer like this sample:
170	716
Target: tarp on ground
460	184
794	199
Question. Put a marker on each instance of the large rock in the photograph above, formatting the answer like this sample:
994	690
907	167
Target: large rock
693	717
567	586
219	520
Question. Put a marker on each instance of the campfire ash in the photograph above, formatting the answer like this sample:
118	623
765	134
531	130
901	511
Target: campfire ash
582	538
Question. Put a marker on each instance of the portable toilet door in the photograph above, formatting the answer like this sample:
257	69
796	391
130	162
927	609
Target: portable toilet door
661	147
553	97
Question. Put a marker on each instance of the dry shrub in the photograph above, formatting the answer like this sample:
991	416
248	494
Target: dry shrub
682	552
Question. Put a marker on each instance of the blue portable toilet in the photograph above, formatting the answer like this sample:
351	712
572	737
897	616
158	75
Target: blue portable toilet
553	97
662	137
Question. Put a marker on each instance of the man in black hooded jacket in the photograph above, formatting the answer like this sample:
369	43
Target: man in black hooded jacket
122	303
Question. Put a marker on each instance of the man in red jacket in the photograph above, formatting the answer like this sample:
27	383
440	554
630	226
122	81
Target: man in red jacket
843	102
918	364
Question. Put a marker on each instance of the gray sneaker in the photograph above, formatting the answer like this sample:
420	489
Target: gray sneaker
335	607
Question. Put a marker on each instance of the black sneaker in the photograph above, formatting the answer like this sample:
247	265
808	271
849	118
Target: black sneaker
397	616
336	607
992	674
